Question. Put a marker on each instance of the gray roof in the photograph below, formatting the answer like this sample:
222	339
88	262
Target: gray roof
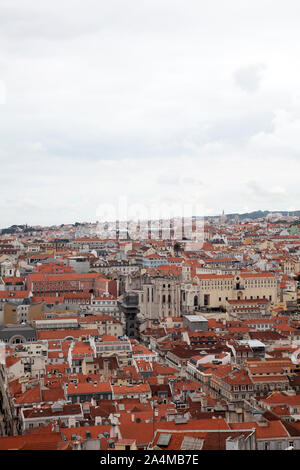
20	329
195	318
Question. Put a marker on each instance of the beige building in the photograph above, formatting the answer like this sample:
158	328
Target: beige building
13	313
266	245
215	290
248	309
125	444
172	295
290	266
167	297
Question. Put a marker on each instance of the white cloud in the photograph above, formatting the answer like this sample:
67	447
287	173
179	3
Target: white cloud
284	139
248	78
105	100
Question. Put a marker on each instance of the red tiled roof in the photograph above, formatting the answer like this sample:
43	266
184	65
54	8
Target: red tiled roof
81	431
129	390
89	388
272	429
62	334
32	395
50	440
11	360
13	280
16	294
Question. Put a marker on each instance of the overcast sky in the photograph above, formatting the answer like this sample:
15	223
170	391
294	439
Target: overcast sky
151	102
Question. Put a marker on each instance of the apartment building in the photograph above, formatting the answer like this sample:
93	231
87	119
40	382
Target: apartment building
216	290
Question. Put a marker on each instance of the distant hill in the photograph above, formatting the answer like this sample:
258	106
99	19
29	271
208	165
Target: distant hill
261	214
14	229
18	229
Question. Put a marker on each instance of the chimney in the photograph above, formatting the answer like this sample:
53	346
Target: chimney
98	421
23	387
106	366
113	432
233	443
263	424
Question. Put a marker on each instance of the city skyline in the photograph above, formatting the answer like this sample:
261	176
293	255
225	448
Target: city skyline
252	215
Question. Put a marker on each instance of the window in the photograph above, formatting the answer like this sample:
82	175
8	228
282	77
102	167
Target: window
267	446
